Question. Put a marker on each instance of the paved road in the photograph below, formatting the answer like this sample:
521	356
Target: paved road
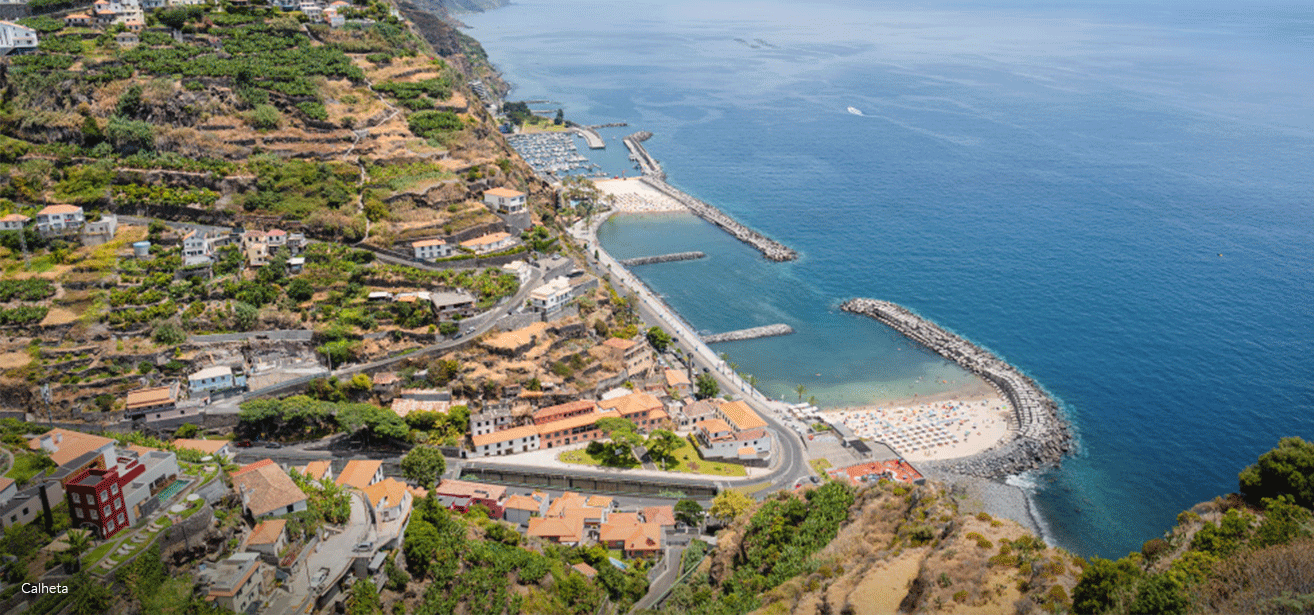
332	557
791	463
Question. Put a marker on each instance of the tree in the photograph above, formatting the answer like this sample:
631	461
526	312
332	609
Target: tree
622	439
300	290
78	543
423	465
363	599
800	389
730	504
1287	469
1161	594
707	386
659	339
662	445
244	316
187	430
688	512
561	117
168	334
1104	585
372	421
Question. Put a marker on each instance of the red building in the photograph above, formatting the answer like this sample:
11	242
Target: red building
95	498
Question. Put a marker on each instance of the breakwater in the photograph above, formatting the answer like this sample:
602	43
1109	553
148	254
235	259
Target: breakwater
639	154
769	248
748	334
1042	435
591	137
662	258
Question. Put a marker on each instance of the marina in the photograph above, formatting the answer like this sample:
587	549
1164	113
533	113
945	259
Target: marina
551	153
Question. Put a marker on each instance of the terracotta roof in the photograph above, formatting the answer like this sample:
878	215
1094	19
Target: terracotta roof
317	469
145	398
599	501
661	515
741	415
358	473
522	502
646	537
698	408
210	447
268	488
463	488
267	532
70	444
78	16
485	239
507	192
712	426
566	408
419	492
141	450
524	431
676	377
5	482
564	530
276	233
15	218
619	343
427	242
633	403
59	209
575	421
896	469
387	493
585	569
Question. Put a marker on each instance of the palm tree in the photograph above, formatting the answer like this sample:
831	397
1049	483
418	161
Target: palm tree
78	543
800	389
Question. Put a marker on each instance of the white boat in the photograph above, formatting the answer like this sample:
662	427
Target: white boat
855	111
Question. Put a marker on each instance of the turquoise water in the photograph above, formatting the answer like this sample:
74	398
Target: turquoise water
172	490
1115	197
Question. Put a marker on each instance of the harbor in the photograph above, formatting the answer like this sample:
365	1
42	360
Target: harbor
552	153
1041	435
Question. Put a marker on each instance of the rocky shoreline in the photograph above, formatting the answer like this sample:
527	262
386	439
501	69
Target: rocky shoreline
1042	436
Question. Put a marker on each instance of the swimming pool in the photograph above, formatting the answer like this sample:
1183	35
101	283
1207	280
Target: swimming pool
172	490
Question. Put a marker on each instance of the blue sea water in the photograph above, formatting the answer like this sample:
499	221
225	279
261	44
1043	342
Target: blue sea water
1114	196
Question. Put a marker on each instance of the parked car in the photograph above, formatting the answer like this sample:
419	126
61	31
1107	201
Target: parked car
273	445
242	443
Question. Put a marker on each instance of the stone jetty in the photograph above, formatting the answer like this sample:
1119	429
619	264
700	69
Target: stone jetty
770	248
662	258
591	137
1042	435
654	176
748	334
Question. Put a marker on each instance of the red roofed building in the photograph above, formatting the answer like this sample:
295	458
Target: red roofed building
564	411
461	495
892	469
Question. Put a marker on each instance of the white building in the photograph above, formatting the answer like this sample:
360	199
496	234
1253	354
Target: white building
431	249
214	378
101	231
504	201
196	244
491	242
16	39
60	218
236	584
161	469
552	296
14	222
492	419
506	442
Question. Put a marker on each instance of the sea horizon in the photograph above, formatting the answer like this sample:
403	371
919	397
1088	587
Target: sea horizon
1108	196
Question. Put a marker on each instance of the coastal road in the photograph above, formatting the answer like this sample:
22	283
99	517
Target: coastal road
791	462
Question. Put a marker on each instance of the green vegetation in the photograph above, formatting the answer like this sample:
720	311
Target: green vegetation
1285	470
423	465
777	544
433	124
706	386
29	464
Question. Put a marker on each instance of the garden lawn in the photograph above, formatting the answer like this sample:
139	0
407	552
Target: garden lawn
579	456
26	465
689	460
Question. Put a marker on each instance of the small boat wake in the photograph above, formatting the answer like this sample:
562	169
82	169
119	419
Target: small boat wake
856	111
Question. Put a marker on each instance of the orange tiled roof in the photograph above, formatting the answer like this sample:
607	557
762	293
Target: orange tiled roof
676	377
521	502
585	569
661	515
145	398
741	415
712	426
267	532
524	431
358	473
566	408
268	488
576	421
387	493
619	343
317	469
633	403
60	209
564	530
71	444
463	488
506	192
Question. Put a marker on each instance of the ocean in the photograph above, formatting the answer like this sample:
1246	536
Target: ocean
1113	196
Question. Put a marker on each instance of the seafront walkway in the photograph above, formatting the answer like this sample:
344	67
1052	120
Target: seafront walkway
792	457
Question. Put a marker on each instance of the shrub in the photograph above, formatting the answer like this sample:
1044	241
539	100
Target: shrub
981	516
263	117
960	596
430	124
130	136
313	110
1287	469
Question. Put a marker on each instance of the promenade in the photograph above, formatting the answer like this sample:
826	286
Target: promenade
791	458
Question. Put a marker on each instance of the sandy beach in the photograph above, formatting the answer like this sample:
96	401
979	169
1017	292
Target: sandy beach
634	196
933	429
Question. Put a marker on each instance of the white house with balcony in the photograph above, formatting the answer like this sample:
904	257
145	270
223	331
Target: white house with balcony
504	200
60	219
552	296
431	249
16	39
14	222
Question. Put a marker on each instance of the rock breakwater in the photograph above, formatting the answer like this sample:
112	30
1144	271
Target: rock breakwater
1042	435
748	334
770	248
663	258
